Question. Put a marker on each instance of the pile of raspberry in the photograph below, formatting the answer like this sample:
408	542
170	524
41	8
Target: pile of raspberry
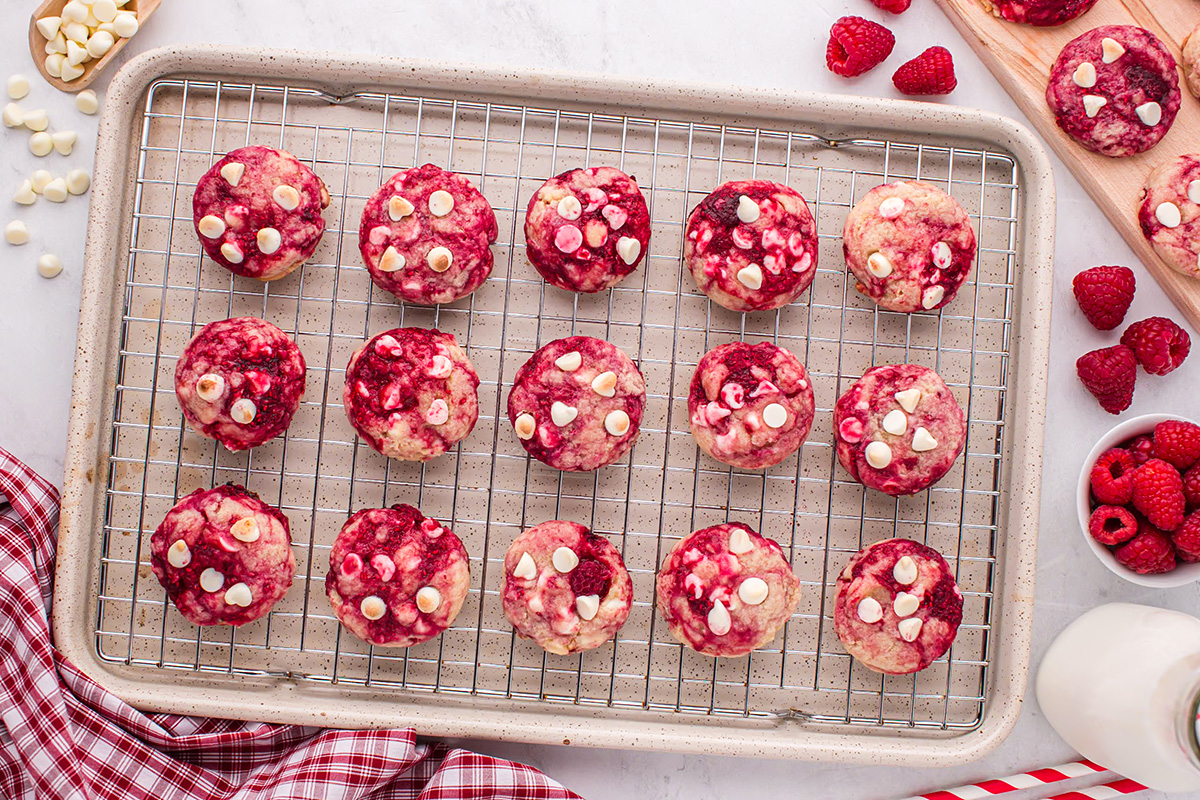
1146	499
856	46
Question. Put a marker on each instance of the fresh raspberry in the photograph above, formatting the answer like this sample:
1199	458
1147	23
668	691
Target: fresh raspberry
1177	442
1112	525
894	6
1104	295
591	577
1191	486
1148	553
932	72
1187	538
1112	477
1109	374
857	45
1158	494
1159	344
1140	447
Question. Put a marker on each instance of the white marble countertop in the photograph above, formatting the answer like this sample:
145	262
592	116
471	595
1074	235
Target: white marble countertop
779	44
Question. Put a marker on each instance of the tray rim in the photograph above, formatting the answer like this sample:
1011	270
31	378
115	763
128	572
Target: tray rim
289	702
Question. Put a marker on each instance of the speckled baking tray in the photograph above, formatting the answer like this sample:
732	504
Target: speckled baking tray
147	288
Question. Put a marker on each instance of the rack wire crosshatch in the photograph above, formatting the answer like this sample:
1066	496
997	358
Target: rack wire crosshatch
487	489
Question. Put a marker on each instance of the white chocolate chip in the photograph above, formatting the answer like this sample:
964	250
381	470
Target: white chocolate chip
525	425
100	43
268	240
587	605
942	257
179	555
49	265
77	53
239	595
391	260
748	210
905	571
751	276
40	179
1112	49
54	64
923	440
569	362
605	384
211	580
438	412
232	252
37	120
1085	75
869	610
616	422
526	568
909	629
48	26
629	249
753	591
56	191
71	71
373	607
287	197
740	542
14	117
878	454
439	366
906	604
428	599
891	207
245	530
1193	192
1149	113
895	422
441	203
232	172
719	621
76	33
775	415
25	195
87	102
40	144
439	259
210	386
908	399
1092	103
78	181
15	232
105	10
243	411
399	208
932	296
570	208
211	226
18	85
564	560
126	24
1168	214
563	414
75	11
878	265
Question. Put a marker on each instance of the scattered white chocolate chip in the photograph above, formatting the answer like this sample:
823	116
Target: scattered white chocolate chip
1112	49
525	425
906	604
399	208
570	208
923	440
49	265
1092	103
891	207
245	530
878	454
210	386
287	197
605	384
15	232
40	144
1149	113
78	181
372	607
428	599
942	257
211	580
87	102
616	422
126	24
895	422
569	362
740	542
719	621
1193	192
563	414
56	191
751	276
25	195
753	591
629	249
909	628
243	411
14	117
869	610
54	64
178	554
878	265
40	179
748	210
908	399
232	172
775	415
905	571
441	203
564	559
587	605
1168	214
438	412
211	226
439	259
932	296
232	252
18	85
391	260
1085	75
268	240
48	26
239	595
100	43
526	568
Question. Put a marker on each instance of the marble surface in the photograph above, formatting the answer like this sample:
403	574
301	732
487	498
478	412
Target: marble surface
780	43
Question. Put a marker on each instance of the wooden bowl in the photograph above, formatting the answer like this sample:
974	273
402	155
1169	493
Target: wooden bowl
91	69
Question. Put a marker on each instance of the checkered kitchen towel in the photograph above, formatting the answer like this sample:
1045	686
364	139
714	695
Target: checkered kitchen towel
62	736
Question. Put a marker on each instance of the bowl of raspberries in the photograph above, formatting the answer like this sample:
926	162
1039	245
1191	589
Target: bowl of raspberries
1139	500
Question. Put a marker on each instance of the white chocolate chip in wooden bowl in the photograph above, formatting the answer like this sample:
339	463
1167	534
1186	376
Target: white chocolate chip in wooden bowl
441	203
908	399
233	172
439	259
100	43
895	422
71	71
719	621
569	208
524	426
211	580
391	260
753	591
243	411
869	610
923	440
1084	75
269	240
569	362
56	191
751	276
748	211
126	24
878	454
428	599
178	554
232	252
1149	113
906	604
605	384
40	144
1168	214
878	265
245	530
905	571
75	11
373	607
286	197
210	386
629	249
17	86
1111	49
740	542
775	415
616	422
526	568
587	606
564	559
909	629
54	64
105	10
87	102
25	195
49	265
48	26
239	595
77	54
15	233
78	181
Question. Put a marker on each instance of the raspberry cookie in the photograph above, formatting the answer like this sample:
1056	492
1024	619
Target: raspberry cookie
411	393
1191	61
396	578
577	404
426	236
1170	213
586	229
223	555
751	245
1114	90
725	590
257	212
1042	13
897	607
240	381
899	429
565	587
750	405
910	245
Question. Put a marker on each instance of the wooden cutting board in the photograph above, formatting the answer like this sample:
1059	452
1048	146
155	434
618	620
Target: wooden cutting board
1020	56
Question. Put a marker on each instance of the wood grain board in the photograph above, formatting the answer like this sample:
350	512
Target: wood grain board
1020	56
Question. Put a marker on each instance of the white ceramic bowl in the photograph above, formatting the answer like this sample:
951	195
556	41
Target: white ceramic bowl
1182	574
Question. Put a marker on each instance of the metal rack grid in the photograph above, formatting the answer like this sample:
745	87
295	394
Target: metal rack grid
488	489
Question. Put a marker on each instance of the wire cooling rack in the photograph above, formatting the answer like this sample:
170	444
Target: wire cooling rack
488	489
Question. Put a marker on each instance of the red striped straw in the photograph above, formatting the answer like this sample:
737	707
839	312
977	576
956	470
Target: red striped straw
1015	783
1105	791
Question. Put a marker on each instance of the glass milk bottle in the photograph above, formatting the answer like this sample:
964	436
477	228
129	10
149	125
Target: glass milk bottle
1121	685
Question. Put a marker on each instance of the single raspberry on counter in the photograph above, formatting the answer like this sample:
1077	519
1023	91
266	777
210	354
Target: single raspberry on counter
894	6
1177	442
1158	494
1140	447
1187	538
1191	486
857	45
1109	374
1148	553
1112	477
932	72
1158	343
1112	525
1104	295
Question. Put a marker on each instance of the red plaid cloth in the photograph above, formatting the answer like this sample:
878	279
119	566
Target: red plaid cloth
63	736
